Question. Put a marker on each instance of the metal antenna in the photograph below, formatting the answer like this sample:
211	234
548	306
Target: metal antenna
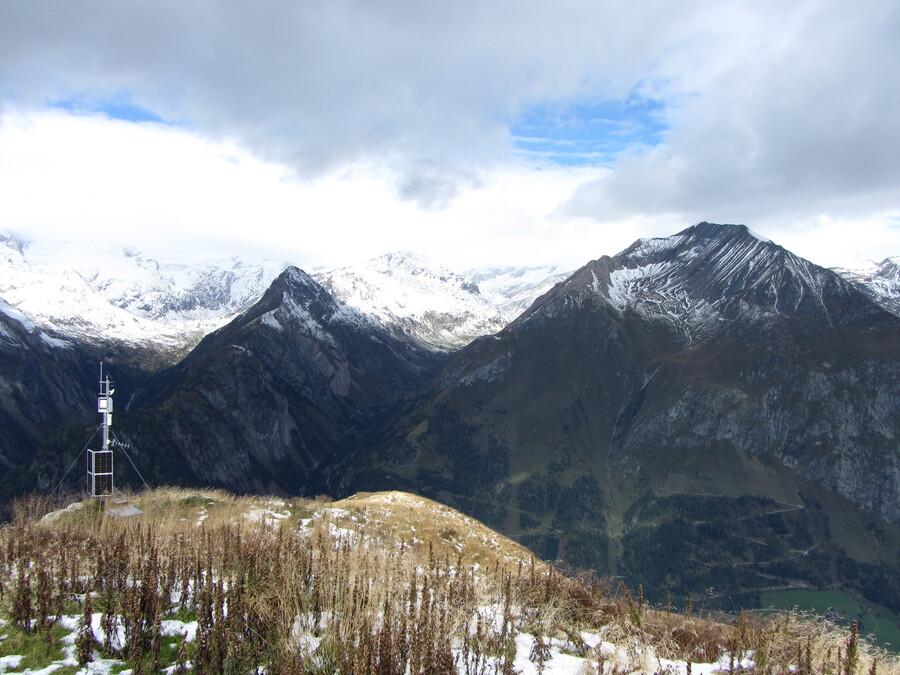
100	462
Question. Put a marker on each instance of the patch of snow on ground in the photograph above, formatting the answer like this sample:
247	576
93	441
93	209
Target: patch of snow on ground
54	515
269	319
173	628
644	247
261	515
7	662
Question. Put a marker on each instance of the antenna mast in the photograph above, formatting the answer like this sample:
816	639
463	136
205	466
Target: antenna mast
100	462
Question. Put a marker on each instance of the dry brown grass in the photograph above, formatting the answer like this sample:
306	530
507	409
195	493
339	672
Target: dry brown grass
381	583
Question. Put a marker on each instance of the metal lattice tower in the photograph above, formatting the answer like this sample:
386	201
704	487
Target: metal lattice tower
100	462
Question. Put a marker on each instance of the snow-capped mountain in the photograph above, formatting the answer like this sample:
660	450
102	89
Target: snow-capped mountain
710	368
106	296
513	289
880	281
293	382
708	277
123	296
418	296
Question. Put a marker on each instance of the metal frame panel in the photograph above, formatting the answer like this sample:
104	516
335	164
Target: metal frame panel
100	473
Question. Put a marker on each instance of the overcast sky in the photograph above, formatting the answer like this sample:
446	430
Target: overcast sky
476	132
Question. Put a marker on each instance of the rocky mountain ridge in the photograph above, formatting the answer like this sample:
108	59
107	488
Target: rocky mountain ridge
698	281
290	384
708	370
113	298
689	387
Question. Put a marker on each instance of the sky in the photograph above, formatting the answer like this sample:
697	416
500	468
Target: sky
475	132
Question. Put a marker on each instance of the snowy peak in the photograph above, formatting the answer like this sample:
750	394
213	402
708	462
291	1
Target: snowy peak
880	281
298	300
420	298
177	291
11	242
302	309
121	296
711	262
514	289
319	349
741	274
700	279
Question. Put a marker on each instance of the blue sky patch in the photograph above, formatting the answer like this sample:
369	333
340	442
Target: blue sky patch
588	133
118	108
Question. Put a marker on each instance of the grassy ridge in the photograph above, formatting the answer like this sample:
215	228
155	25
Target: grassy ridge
384	583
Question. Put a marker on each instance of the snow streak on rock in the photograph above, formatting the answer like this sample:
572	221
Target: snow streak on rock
707	276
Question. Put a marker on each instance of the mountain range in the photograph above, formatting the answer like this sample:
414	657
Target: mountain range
880	281
702	411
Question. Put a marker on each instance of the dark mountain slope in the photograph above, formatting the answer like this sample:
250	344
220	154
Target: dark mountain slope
45	382
276	398
274	401
48	386
24	356
708	363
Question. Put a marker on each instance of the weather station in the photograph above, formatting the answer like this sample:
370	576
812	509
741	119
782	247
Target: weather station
100	462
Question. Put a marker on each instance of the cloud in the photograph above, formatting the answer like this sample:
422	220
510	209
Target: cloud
162	189
401	118
319	85
797	118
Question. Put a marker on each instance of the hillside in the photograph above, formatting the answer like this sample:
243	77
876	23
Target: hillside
376	583
705	410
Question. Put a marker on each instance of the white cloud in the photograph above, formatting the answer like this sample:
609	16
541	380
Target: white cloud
320	85
793	119
158	187
337	129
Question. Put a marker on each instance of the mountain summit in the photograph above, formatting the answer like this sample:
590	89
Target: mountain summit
711	372
706	276
278	397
